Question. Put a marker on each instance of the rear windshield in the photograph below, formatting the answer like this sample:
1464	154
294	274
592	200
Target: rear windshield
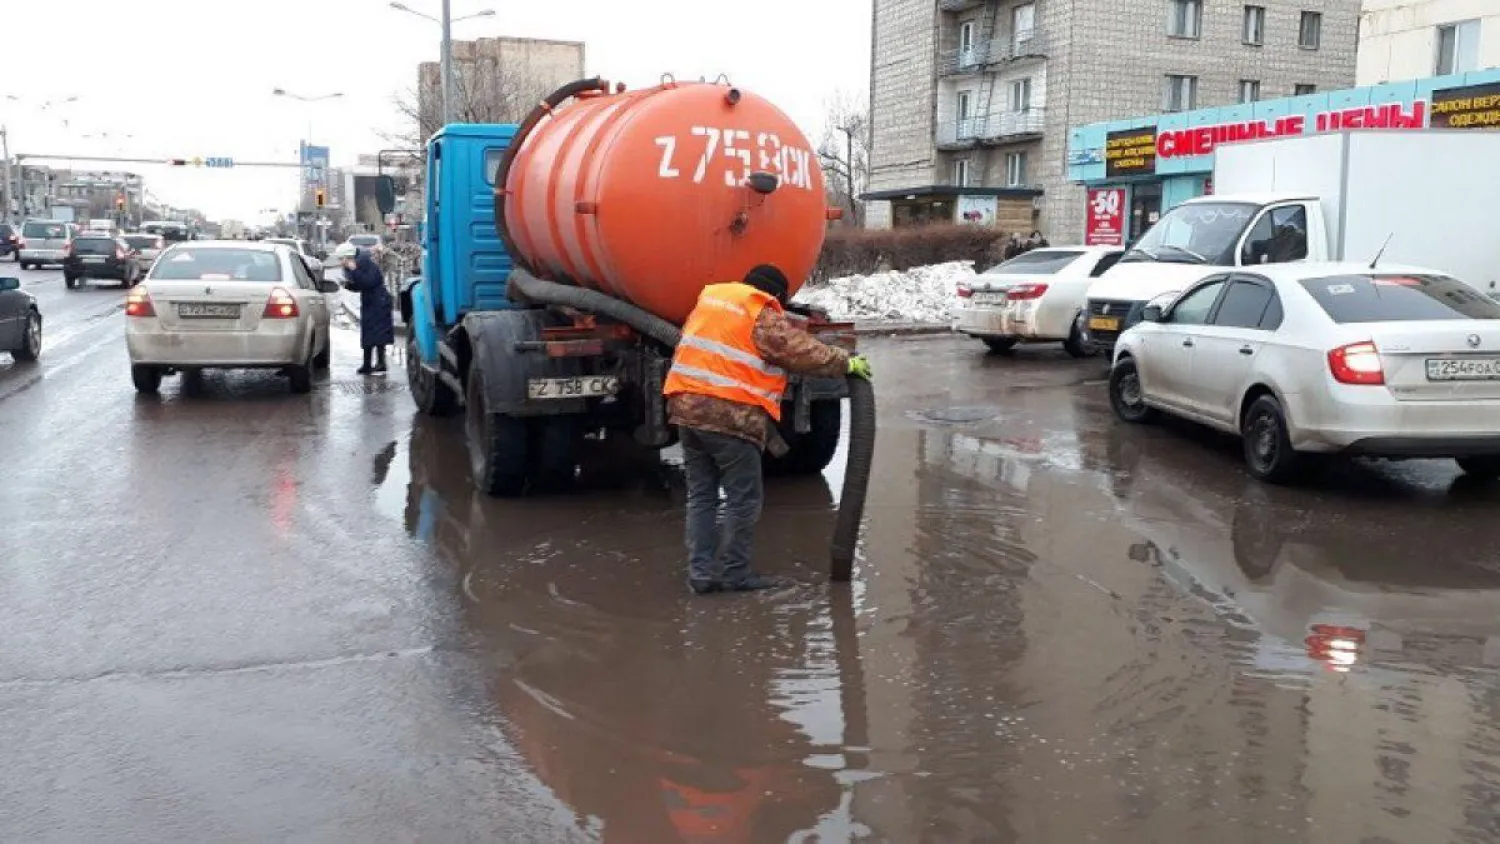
46	231
143	241
175	235
188	263
1399	298
1035	263
95	246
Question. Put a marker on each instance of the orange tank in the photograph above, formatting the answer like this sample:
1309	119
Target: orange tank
648	195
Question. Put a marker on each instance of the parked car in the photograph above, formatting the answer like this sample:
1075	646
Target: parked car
100	257
147	248
20	321
45	242
1324	357
10	242
1035	297
228	305
304	249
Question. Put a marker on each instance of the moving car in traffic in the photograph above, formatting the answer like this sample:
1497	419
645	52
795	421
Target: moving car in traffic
1035	297
100	257
45	242
228	305
10	242
148	247
1332	358
20	321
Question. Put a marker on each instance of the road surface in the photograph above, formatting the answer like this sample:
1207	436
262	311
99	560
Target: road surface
243	615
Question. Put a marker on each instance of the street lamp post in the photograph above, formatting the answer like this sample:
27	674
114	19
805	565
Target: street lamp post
445	53
7	176
282	92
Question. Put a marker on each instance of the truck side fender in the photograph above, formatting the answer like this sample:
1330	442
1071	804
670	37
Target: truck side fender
493	337
416	311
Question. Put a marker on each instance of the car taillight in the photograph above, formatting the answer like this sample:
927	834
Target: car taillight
965	291
1356	363
138	304
281	305
1023	292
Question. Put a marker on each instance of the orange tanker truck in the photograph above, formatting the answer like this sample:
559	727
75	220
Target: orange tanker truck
564	253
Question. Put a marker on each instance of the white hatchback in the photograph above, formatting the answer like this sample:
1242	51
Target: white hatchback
1336	358
1035	297
228	305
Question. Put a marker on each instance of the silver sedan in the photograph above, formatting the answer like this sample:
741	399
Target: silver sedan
228	305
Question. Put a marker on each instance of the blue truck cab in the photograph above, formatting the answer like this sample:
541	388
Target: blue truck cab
534	380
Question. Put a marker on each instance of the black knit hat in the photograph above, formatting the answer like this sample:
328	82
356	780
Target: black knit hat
768	279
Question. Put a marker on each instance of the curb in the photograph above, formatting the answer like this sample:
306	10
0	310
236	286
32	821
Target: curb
900	330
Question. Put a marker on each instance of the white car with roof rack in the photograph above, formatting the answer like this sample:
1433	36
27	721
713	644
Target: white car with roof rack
1035	297
228	305
1394	362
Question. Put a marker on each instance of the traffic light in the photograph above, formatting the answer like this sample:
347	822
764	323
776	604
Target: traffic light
120	201
177	162
321	196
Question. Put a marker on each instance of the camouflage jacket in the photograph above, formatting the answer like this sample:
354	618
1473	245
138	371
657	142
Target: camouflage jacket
780	343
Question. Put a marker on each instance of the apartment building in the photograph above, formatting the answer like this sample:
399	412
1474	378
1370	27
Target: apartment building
1411	39
497	80
972	100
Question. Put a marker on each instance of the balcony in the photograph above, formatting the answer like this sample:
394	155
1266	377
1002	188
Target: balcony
981	130
959	5
985	55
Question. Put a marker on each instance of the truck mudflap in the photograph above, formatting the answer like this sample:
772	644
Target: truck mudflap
417	312
503	344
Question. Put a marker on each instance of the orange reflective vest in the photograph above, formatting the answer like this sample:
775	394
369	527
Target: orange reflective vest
717	355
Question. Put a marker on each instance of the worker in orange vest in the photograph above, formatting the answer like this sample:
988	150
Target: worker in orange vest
724	394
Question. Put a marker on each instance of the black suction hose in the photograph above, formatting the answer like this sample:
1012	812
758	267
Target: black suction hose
861	404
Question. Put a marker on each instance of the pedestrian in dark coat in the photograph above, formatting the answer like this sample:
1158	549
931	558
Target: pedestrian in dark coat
377	327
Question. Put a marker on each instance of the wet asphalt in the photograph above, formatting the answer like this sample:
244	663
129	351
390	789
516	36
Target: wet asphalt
235	614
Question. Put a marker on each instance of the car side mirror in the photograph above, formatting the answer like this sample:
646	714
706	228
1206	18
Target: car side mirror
1151	313
10	284
327	286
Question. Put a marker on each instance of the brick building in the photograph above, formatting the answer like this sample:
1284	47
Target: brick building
496	80
972	100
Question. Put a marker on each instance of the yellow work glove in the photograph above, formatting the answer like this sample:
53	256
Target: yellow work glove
859	367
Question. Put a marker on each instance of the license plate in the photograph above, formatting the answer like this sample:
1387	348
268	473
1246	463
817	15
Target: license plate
1463	369
988	298
572	388
1104	323
93	260
188	310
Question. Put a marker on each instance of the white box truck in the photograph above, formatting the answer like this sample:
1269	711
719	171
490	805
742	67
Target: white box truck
1421	195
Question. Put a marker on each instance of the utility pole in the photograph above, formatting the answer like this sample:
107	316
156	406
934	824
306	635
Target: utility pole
5	183
447	61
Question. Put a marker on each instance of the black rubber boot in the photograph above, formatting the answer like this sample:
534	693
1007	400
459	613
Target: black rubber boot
365	370
379	359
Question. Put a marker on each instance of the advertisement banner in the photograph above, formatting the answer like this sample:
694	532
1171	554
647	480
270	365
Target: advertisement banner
314	162
1130	152
1105	224
977	210
1470	107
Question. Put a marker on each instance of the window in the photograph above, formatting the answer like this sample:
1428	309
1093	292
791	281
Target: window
1185	18
1109	260
1303	90
1310	33
95	246
966	43
1392	298
1022	24
1193	308
1020	95
1254	31
187	263
492	164
1181	93
1457	47
1244	304
961	172
962	105
1249	90
1279	236
302	273
1036	262
1015	169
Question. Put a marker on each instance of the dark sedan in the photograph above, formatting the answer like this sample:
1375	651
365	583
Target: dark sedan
20	321
101	257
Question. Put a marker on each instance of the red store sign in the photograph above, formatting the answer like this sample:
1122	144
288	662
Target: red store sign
1201	140
1106	217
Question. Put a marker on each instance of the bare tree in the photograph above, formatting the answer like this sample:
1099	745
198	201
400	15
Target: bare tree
845	152
487	89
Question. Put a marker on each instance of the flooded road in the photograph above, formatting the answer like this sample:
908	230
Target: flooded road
245	615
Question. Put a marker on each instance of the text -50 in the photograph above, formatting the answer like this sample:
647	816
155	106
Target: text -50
728	151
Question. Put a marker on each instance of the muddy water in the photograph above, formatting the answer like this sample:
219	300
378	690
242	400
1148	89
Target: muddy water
1060	631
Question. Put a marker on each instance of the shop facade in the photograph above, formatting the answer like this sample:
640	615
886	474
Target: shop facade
1135	169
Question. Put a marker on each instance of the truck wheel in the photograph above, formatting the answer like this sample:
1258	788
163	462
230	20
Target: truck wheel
813	451
555	448
432	396
497	443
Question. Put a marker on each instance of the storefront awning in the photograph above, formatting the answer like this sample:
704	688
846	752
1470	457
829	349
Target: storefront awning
950	190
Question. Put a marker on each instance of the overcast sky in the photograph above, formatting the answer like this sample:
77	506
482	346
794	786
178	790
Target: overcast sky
185	78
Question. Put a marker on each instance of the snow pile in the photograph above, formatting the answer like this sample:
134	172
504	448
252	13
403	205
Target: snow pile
921	294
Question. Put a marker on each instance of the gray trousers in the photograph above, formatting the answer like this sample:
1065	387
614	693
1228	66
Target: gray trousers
720	531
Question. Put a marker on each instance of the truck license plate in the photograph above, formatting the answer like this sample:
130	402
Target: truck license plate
572	388
1463	369
1104	323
